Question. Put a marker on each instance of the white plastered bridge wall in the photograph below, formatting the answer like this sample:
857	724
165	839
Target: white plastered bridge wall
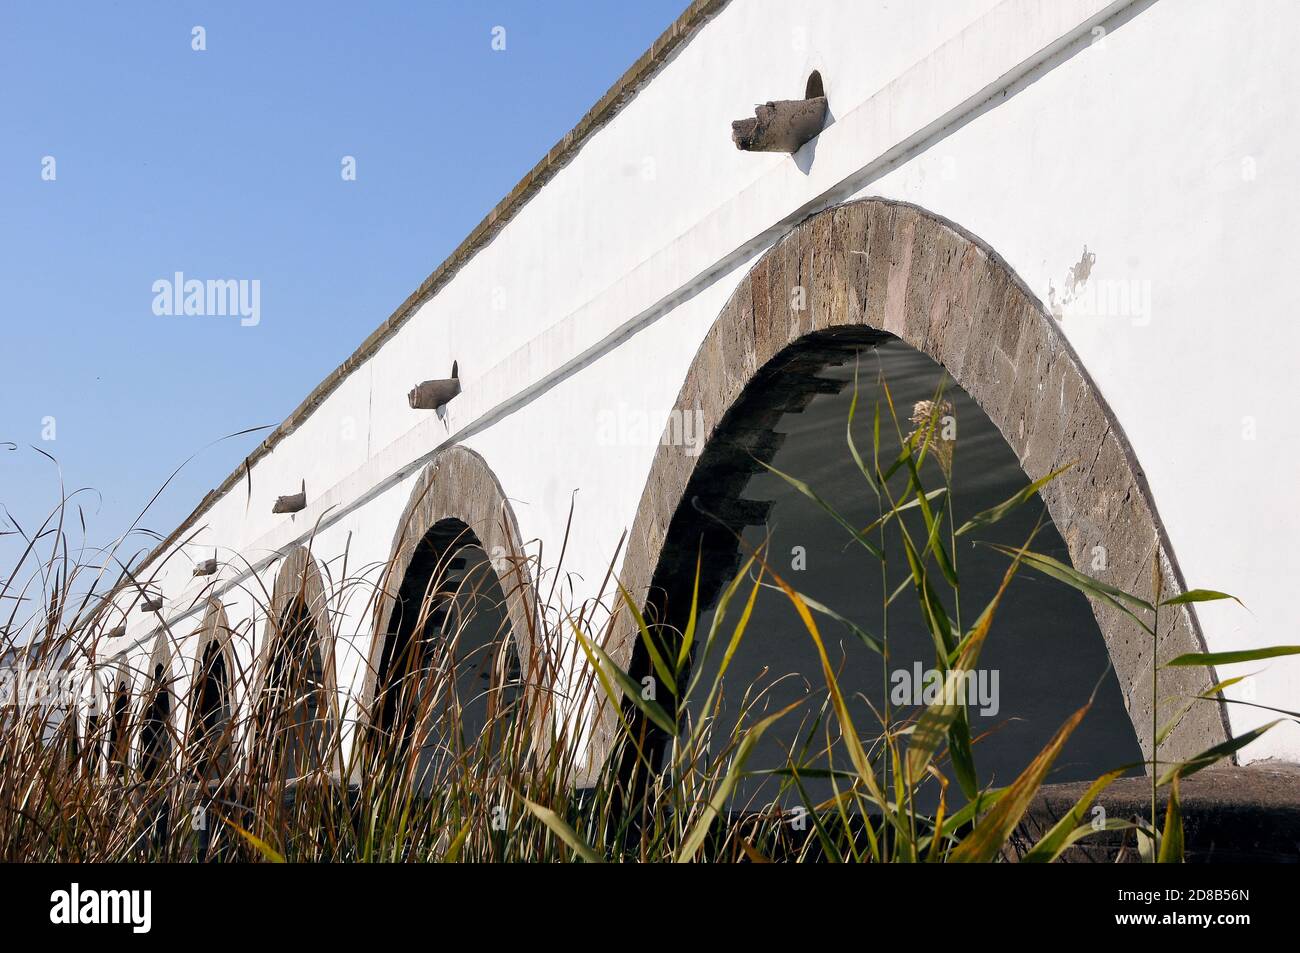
1162	136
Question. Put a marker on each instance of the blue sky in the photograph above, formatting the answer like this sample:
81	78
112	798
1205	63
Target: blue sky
226	163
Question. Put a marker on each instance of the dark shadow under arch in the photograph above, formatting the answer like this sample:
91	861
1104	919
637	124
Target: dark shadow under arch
156	737
119	715
210	731
1045	658
297	697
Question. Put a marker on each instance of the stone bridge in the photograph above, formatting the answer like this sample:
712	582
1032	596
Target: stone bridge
1081	210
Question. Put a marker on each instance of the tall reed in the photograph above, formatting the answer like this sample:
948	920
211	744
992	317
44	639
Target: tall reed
445	764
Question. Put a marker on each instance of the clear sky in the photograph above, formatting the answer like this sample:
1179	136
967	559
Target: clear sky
227	163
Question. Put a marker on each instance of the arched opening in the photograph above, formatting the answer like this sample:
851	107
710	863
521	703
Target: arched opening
457	535
210	725
449	679
293	727
94	742
1043	659
859	273
814	87
155	733
119	734
294	732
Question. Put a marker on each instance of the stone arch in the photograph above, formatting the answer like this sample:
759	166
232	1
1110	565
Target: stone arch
299	587
92	719
212	675
872	268
814	87
157	710
117	714
160	655
458	489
